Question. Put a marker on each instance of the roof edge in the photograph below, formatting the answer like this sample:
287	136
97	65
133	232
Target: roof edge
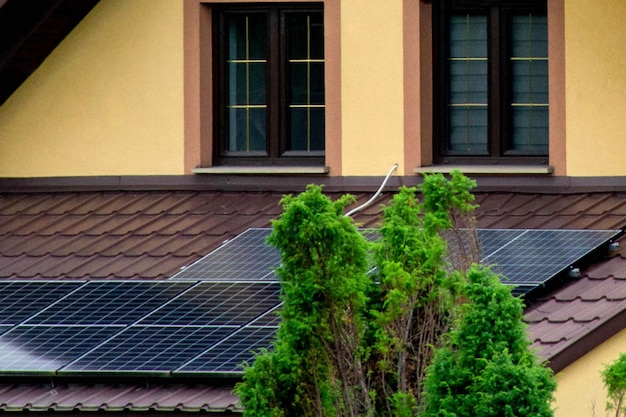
580	347
297	183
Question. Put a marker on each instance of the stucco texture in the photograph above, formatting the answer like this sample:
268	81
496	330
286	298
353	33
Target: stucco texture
107	101
595	84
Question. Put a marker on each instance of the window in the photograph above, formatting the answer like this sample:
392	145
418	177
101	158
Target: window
269	84
491	81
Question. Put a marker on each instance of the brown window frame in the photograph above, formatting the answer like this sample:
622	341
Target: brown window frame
277	94
499	80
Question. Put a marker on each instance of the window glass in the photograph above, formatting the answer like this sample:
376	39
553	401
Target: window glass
306	75
529	61
247	68
468	69
269	83
491	80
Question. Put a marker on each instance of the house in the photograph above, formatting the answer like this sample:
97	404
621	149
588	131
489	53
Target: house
136	136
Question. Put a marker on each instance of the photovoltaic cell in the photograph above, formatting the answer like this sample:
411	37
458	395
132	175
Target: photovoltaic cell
218	303
535	256
246	257
151	349
491	240
109	303
269	318
228	355
44	349
21	299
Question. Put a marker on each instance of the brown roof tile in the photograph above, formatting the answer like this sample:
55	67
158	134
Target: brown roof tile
117	397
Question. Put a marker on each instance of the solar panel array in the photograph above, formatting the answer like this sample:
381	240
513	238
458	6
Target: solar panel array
130	327
211	316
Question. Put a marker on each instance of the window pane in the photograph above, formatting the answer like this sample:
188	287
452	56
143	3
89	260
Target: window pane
529	63
301	138
468	130
468	36
530	36
306	81
530	81
530	135
247	36
468	82
468	69
306	35
247	81
247	129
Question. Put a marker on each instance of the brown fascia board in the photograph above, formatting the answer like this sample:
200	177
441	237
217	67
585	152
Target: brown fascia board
295	183
594	338
252	183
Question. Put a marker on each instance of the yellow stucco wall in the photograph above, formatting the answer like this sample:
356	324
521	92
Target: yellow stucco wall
107	101
580	392
595	87
371	86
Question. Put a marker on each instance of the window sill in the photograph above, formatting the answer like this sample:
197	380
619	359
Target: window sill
263	170
488	169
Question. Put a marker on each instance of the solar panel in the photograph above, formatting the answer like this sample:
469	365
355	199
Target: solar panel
218	303
491	240
149	349
535	256
228	355
246	257
211	316
44	349
109	303
21	299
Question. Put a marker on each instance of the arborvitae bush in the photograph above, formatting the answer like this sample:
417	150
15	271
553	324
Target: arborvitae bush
486	367
359	320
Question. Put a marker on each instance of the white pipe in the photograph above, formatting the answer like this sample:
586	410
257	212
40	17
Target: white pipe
375	196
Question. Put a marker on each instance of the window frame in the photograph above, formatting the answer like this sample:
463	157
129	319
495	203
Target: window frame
500	80
277	88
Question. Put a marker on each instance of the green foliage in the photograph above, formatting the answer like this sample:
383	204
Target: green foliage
614	378
486	367
415	292
356	344
316	365
447	201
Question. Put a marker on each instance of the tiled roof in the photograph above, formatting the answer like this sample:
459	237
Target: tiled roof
117	397
152	234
